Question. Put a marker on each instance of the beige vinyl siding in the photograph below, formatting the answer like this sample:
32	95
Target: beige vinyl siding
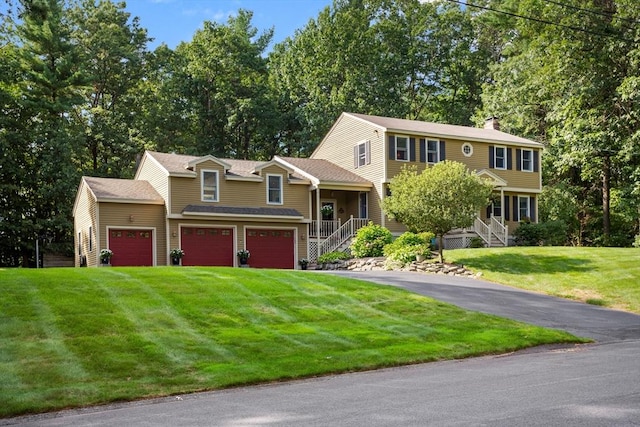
134	216
187	191
157	177
301	230
84	220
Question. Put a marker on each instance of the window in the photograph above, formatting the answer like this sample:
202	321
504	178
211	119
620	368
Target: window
274	189
467	149
500	158
527	160
433	151
90	238
496	208
363	204
361	154
80	243
524	211
209	186
402	148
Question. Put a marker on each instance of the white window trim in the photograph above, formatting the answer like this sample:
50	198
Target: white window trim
407	150
495	157
465	145
281	202
522	160
437	152
217	191
363	159
90	239
520	218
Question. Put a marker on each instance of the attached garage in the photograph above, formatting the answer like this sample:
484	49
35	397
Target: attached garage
207	246
271	248
131	247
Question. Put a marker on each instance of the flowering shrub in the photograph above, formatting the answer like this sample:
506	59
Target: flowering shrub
370	240
243	254
105	255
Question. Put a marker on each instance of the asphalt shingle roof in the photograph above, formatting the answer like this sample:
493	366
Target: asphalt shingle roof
325	171
122	189
235	210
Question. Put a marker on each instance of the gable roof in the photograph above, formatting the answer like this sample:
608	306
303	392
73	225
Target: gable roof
439	130
122	190
321	171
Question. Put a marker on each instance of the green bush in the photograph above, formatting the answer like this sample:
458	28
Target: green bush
332	257
636	242
370	241
551	233
405	248
476	242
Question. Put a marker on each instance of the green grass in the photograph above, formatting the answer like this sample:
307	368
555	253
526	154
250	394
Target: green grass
73	337
608	277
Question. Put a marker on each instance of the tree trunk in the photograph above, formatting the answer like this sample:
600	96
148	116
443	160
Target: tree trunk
440	247
606	191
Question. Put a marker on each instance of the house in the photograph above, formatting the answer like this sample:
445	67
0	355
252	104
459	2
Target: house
287	209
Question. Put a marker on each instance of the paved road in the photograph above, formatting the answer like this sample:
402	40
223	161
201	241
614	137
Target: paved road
586	385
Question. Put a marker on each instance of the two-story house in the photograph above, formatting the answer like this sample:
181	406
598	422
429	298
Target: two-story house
287	208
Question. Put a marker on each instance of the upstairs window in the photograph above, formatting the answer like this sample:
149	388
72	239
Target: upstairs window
361	154
500	158
402	148
209	186
433	151
527	161
274	189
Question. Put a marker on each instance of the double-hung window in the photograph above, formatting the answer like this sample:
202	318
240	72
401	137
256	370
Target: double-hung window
274	189
402	148
433	151
209	186
524	208
496	208
362	154
500	158
527	161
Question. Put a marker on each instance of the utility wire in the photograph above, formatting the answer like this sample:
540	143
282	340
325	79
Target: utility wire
595	12
542	21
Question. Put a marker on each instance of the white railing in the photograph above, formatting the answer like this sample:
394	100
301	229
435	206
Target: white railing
482	230
499	230
327	228
341	235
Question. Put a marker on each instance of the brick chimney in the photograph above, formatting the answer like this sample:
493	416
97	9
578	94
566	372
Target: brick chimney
492	123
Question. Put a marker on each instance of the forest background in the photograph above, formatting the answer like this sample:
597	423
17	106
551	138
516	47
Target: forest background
81	94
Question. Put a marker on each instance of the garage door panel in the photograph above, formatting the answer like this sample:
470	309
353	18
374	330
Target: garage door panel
270	248
131	247
207	246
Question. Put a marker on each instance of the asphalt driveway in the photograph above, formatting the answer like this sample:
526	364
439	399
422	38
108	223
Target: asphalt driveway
600	324
581	385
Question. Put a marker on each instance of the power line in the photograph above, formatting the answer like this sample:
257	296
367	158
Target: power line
542	21
595	12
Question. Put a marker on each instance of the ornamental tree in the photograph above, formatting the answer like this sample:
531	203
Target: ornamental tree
439	199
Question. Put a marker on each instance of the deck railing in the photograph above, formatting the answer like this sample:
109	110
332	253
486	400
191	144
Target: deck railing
327	228
341	235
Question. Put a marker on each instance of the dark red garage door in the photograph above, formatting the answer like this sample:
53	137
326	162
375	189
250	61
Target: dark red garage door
270	248
207	246
131	247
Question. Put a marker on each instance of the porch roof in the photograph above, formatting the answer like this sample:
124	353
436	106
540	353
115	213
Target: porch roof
325	173
292	214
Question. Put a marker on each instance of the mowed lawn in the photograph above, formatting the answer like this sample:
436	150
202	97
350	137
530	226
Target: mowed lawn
602	276
73	337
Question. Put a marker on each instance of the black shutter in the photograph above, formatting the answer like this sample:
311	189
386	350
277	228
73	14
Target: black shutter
492	155
518	159
505	210
392	147
423	150
489	212
442	153
509	163
532	208
515	208
412	149
536	160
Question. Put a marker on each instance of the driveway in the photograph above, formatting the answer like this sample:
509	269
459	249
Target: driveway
583	385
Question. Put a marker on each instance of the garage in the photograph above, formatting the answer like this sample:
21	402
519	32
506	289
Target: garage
131	247
271	248
207	246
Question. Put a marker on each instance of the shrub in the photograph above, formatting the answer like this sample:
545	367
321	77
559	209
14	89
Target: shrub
636	242
476	242
405	248
552	233
370	240
332	257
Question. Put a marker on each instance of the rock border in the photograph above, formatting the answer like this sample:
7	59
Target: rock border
382	264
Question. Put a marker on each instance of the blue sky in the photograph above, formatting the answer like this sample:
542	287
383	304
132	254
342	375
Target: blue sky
173	21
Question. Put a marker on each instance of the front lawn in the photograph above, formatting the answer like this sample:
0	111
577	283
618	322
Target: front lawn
603	276
73	337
